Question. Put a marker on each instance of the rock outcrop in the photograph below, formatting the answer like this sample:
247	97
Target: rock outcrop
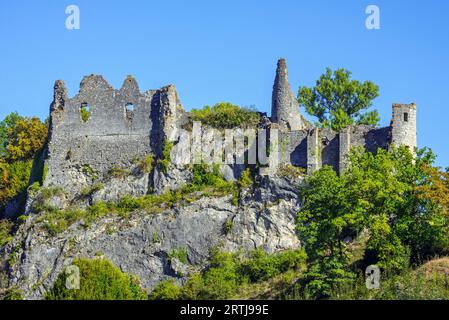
142	244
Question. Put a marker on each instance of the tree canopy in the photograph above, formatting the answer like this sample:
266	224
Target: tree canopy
337	101
20	139
396	203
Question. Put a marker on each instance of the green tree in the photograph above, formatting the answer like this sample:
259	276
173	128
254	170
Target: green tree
337	101
7	123
398	200
99	280
25	138
328	216
21	138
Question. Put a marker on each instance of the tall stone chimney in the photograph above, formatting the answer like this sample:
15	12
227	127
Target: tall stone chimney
284	106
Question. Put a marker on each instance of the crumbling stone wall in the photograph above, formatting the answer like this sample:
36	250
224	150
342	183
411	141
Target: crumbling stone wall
115	136
82	152
311	148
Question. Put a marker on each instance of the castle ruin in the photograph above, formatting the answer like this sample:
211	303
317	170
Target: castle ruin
101	129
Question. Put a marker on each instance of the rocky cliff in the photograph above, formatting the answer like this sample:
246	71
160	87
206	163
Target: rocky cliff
142	243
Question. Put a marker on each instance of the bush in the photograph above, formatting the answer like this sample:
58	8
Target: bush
225	115
89	172
245	180
227	226
210	176
261	266
90	190
119	173
291	172
85	113
408	285
14	181
166	155
5	232
99	280
180	254
34	188
167	290
228	272
13	293
146	164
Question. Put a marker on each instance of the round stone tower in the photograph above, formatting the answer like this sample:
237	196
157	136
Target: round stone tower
284	106
403	125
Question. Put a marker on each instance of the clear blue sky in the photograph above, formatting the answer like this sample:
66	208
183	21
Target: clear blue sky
227	50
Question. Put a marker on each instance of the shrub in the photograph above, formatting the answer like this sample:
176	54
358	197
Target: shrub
228	272
34	188
222	279
99	280
210	176
225	115
85	113
13	293
89	172
146	164
119	173
5	232
227	227
180	254
408	285
90	190
261	266
166	155
291	172
14	181
245	180
167	290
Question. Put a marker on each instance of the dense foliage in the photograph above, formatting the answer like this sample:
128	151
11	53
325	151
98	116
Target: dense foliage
337	101
20	141
227	275
226	115
99	279
398	203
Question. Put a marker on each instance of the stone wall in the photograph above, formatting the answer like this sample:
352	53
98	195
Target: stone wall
82	152
403	125
313	148
123	127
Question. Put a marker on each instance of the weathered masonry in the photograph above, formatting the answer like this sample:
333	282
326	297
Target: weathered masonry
102	129
311	148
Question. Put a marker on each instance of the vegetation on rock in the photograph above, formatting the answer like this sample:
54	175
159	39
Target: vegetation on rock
226	115
229	275
99	279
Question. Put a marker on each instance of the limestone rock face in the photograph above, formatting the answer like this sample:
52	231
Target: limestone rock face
142	244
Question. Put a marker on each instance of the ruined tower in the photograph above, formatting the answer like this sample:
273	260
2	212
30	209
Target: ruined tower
403	125
284	106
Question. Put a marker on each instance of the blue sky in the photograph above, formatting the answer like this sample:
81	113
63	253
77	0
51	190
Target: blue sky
227	51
